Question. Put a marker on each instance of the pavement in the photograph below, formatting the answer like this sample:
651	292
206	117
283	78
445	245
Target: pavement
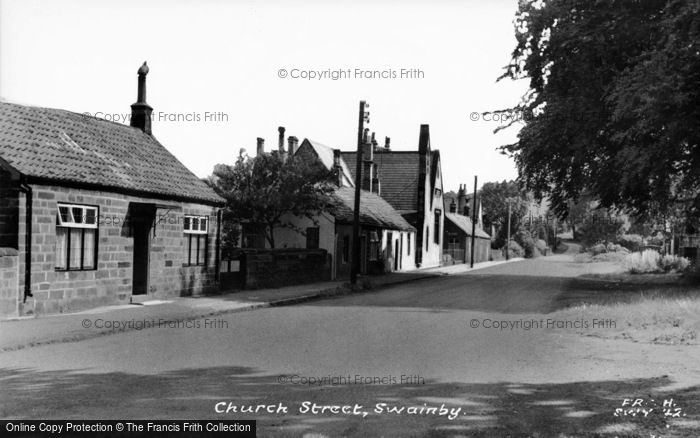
19	333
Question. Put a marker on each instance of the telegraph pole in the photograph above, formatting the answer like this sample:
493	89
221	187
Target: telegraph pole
508	240
355	267
471	264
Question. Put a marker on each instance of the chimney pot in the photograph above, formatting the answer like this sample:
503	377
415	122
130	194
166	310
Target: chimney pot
261	146
141	111
387	142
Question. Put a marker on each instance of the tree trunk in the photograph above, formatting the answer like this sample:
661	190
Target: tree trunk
270	235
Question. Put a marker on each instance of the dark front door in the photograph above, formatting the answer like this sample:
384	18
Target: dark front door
142	240
397	254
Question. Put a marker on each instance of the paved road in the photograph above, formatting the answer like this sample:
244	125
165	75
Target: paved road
504	382
541	285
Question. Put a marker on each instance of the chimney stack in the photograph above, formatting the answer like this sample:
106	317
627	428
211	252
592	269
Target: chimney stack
387	143
453	206
376	185
374	142
281	139
293	145
462	199
141	111
261	146
337	168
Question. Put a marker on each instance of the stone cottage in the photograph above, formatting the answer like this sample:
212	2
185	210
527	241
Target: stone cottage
94	212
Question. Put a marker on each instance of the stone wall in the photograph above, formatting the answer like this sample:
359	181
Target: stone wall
285	267
111	282
9	281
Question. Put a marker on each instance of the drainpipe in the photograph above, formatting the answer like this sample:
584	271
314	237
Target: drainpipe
28	240
218	246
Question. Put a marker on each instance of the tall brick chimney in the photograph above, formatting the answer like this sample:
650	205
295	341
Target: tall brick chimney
293	145
280	143
260	147
462	199
141	111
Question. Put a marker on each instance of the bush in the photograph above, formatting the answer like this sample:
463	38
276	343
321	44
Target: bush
613	247
656	240
600	229
515	250
632	242
541	246
693	273
599	248
526	242
673	263
643	262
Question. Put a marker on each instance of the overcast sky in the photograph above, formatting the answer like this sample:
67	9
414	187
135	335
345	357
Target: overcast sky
217	56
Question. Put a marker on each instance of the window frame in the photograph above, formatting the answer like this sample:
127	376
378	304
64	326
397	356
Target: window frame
192	217
199	236
73	225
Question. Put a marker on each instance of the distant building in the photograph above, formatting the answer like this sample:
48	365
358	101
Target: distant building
458	231
411	181
386	239
93	212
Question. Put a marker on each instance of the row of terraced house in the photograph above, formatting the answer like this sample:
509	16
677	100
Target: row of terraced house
94	213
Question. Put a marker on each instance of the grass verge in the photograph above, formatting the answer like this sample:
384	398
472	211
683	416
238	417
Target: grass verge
657	316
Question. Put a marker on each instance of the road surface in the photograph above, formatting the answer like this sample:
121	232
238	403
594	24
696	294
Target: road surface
414	345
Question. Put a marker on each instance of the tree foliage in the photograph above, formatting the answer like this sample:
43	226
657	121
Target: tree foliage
494	197
268	190
613	106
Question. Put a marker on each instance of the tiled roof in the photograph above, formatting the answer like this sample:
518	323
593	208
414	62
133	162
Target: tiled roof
374	210
325	155
398	176
63	146
465	224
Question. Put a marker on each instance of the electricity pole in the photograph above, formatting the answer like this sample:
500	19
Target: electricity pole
471	264
355	267
508	240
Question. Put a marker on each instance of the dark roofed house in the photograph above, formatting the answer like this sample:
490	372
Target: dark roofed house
411	181
386	239
94	212
458	229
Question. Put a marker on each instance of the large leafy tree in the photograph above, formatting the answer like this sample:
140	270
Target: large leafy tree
494	198
268	190
613	107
